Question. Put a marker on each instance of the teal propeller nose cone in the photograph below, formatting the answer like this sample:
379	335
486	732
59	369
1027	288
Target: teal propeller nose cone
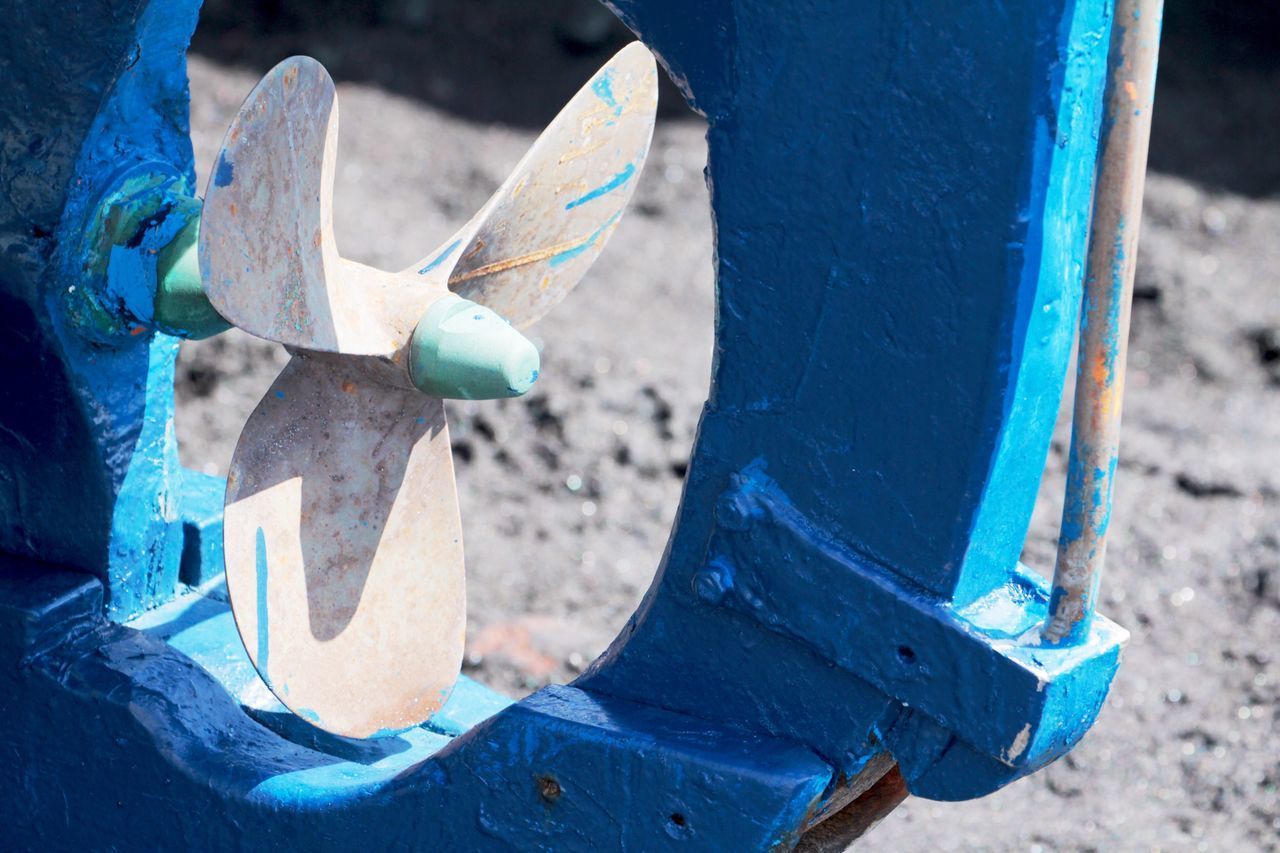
461	350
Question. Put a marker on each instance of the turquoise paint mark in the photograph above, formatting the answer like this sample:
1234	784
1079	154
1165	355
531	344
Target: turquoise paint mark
571	253
440	258
609	186
307	714
604	91
390	732
261	574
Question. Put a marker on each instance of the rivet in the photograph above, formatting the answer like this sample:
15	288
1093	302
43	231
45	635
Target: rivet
733	511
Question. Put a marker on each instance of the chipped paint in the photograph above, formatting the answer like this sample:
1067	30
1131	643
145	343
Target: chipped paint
603	87
1104	328
1019	744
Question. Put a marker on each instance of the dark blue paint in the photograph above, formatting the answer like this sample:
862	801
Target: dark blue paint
189	768
224	174
898	273
898	276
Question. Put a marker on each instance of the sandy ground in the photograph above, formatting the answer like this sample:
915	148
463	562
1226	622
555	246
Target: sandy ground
568	494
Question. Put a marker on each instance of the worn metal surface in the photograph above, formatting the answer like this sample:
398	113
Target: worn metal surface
344	547
267	251
1104	322
343	544
534	239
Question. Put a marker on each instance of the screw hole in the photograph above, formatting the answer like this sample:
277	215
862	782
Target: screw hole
549	788
906	654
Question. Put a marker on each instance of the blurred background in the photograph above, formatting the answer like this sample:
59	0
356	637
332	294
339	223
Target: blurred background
567	495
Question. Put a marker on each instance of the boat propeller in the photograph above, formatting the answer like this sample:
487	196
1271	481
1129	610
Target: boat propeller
343	542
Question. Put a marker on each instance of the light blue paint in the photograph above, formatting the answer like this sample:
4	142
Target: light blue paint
261	579
603	87
607	187
1047	282
440	258
569	254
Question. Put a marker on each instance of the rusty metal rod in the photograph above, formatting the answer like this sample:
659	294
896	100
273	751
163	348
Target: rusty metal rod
1104	322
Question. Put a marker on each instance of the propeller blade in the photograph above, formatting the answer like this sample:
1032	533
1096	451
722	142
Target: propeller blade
344	546
267	251
536	236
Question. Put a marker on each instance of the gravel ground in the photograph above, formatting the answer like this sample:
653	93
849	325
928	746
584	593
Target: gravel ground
1185	756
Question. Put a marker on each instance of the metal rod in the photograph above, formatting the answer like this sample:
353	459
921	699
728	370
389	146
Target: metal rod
1104	322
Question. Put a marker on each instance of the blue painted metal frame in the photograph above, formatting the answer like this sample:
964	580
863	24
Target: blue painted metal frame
901	198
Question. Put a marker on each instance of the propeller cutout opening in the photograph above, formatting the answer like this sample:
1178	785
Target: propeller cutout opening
342	533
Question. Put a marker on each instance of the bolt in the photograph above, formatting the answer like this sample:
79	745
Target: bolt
713	583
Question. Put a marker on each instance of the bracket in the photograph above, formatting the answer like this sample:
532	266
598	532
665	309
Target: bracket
980	674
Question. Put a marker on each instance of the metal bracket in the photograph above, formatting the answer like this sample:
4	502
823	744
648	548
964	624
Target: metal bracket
982	673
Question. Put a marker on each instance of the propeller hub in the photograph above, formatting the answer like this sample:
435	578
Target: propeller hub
464	351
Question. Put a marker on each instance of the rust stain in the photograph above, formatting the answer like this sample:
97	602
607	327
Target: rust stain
473	251
579	186
1101	374
581	152
523	260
